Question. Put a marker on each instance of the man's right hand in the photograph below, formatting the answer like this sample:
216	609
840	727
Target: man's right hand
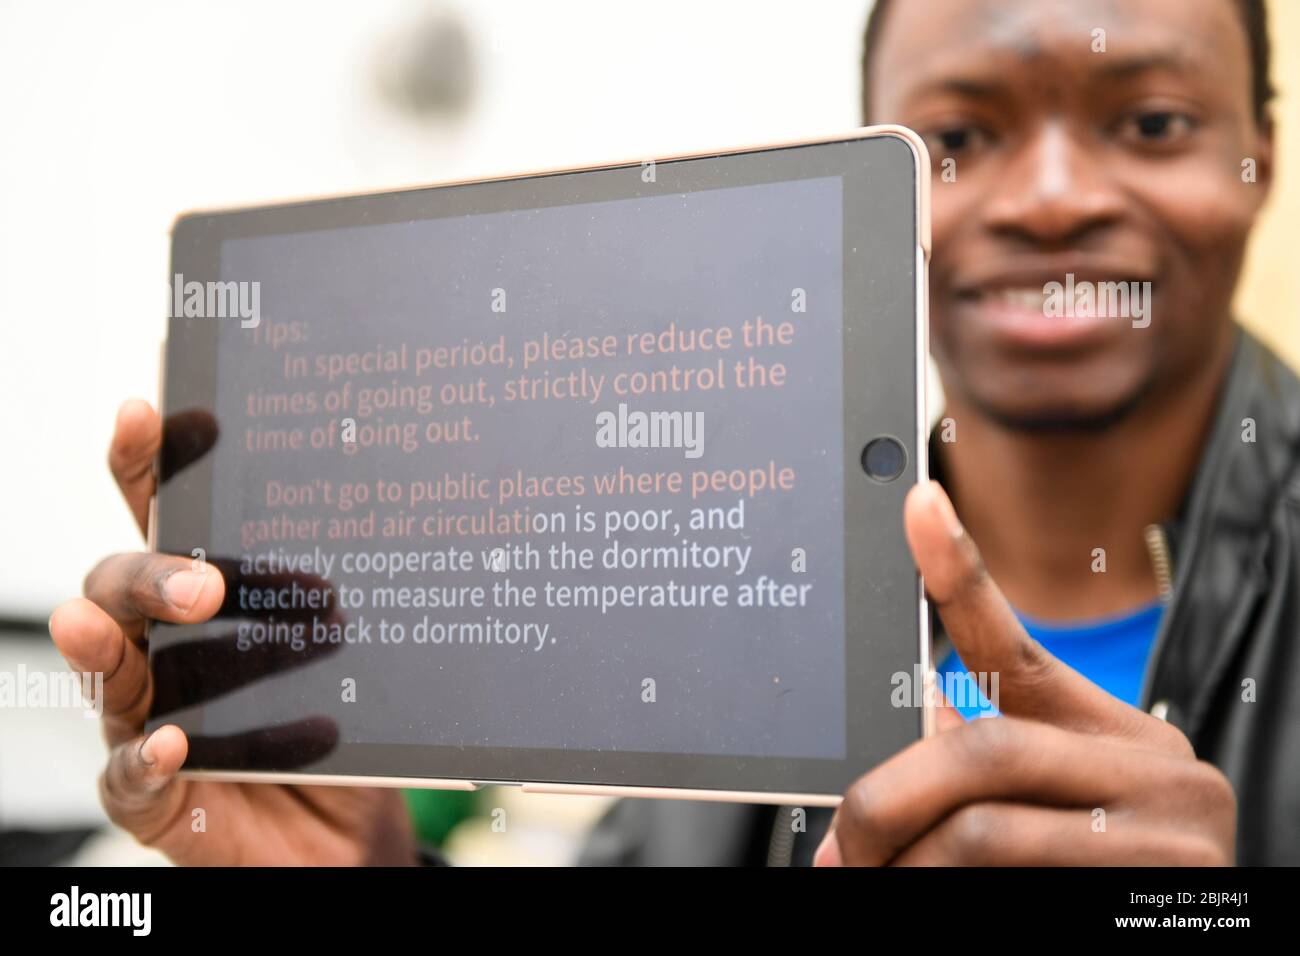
244	824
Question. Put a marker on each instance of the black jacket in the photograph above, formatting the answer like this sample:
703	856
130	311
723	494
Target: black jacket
1225	668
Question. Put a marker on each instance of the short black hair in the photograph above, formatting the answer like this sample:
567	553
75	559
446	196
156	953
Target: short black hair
1254	17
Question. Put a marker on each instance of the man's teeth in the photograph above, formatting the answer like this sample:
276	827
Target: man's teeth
1026	298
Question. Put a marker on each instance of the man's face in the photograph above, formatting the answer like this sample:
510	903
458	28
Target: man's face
1122	165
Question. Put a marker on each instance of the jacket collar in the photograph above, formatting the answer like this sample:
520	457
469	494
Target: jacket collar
1218	539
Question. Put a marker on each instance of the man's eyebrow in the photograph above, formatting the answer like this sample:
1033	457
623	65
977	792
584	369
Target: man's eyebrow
969	87
1115	68
1122	68
962	86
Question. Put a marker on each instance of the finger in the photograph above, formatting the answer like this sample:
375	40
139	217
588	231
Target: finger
991	759
93	643
828	851
134	588
137	436
947	717
990	639
224	667
275	747
274	588
139	788
998	833
186	437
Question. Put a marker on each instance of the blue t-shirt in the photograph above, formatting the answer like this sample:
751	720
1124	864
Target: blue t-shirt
1111	652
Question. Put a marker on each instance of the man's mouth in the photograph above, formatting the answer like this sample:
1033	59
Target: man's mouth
1026	298
1058	309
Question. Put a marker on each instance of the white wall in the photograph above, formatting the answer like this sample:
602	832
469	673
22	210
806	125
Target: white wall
115	117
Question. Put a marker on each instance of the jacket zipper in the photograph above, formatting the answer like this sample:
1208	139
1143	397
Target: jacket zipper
1161	564
780	845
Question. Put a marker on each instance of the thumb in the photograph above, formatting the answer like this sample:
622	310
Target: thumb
1029	682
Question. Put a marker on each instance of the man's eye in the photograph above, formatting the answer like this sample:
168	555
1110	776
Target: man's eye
955	139
1158	127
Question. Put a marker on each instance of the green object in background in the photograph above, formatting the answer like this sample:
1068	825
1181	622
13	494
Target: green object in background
435	813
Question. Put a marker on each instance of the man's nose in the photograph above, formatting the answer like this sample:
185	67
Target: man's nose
1054	191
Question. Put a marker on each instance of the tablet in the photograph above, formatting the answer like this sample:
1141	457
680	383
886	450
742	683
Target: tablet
588	480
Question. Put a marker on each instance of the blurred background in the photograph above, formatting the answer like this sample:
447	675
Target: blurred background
114	118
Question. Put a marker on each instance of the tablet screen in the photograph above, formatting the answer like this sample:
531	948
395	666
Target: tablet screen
459	437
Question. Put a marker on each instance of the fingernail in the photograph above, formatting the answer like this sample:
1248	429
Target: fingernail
147	749
946	512
182	588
